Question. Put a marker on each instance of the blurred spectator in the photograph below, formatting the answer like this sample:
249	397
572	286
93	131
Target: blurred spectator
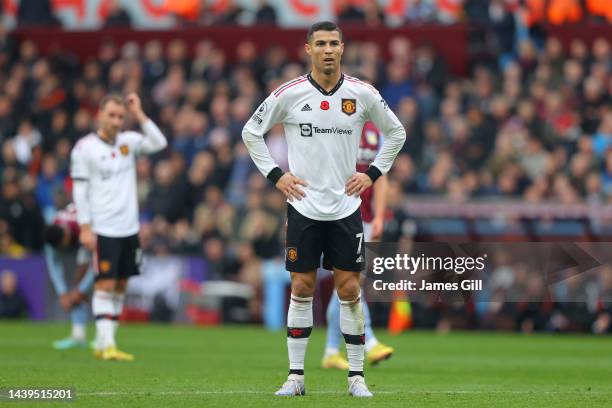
12	303
8	246
27	138
449	11
348	12
503	25
36	13
265	14
602	140
167	197
421	11
398	84
429	68
117	16
49	183
20	211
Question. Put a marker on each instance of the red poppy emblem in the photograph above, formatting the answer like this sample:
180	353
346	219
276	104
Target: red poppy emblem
324	105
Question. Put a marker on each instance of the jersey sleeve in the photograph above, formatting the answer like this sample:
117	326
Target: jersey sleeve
151	139
269	113
389	125
79	166
80	172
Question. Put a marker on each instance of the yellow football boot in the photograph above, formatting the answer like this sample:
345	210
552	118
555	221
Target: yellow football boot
379	353
335	361
112	353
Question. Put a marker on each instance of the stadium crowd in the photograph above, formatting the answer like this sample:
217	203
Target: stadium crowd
536	126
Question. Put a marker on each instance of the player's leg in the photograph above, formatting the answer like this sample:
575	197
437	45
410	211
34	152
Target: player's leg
370	337
78	316
352	323
344	252
118	300
106	264
55	268
78	295
104	314
128	265
332	357
375	350
303	257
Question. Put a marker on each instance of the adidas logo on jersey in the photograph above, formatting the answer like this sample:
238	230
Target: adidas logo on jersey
306	108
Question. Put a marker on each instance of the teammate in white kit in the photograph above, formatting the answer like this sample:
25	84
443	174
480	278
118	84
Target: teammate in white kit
323	114
103	168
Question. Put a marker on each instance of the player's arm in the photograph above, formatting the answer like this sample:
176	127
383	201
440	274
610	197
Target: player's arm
380	206
267	115
395	135
79	171
153	140
83	261
55	269
84	277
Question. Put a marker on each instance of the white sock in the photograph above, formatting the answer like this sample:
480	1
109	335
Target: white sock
78	332
118	299
299	326
330	351
352	325
103	311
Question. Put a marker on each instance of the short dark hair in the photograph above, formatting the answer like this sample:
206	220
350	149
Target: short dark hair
112	97
54	235
322	26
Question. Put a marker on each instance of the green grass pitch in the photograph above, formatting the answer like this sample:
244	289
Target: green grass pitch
183	367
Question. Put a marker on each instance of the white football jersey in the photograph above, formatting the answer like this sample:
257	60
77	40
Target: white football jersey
323	131
110	203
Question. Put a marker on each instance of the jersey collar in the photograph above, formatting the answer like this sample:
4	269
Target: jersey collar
105	141
323	91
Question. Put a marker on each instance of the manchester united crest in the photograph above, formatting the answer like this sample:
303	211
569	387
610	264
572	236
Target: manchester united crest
104	266
124	149
349	106
292	254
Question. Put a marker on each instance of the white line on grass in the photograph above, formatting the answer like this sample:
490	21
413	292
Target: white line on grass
413	392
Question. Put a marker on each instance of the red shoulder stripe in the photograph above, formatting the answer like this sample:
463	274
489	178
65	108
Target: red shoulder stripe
289	86
357	81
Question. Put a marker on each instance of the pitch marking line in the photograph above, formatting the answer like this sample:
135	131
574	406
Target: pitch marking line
412	392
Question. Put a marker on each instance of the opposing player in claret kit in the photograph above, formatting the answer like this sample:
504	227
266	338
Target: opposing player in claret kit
323	114
103	168
373	208
63	255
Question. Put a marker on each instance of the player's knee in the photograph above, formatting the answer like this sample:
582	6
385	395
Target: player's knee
121	286
302	288
349	289
107	285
